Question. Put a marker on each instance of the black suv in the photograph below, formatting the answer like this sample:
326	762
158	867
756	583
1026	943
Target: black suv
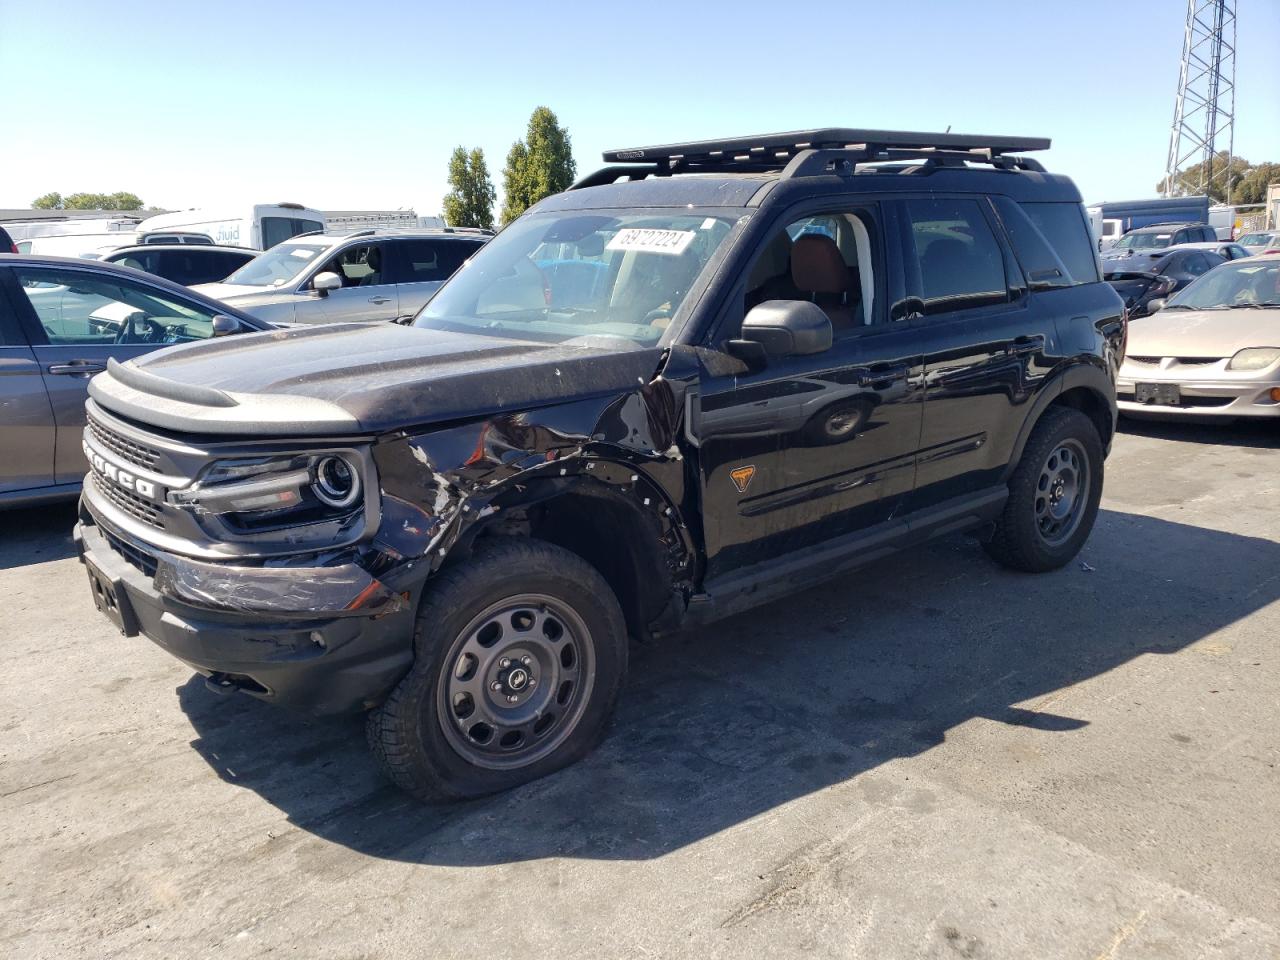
705	377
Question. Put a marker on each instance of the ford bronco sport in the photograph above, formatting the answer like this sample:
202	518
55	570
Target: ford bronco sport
706	376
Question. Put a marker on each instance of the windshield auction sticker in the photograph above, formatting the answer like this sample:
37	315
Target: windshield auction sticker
671	242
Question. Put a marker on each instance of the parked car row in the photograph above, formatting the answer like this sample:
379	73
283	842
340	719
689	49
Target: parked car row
61	321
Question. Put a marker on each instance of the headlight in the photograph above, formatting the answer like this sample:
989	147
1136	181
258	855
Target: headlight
336	483
1254	358
258	494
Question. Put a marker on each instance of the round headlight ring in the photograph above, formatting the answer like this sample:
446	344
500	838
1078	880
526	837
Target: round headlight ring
336	482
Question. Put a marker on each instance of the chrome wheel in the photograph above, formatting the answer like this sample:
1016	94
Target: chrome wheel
1062	491
515	682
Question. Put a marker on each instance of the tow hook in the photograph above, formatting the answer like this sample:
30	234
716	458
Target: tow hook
225	684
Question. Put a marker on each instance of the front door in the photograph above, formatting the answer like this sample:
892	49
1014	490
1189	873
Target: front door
811	448
368	291
76	319
26	430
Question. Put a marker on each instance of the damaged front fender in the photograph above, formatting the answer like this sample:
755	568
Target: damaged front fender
440	486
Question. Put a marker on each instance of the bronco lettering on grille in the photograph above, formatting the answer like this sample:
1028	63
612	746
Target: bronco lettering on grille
120	476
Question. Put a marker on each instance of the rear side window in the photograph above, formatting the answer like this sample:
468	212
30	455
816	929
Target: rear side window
1065	226
425	261
959	257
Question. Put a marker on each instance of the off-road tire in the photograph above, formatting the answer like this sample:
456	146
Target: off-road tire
406	732
1018	542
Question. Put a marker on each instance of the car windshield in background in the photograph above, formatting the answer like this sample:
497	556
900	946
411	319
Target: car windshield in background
1142	241
562	276
1244	283
1255	240
278	265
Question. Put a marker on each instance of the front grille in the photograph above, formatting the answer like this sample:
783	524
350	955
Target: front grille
132	504
1180	361
136	453
136	556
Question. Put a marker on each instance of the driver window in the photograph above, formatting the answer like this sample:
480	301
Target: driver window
81	307
359	266
827	259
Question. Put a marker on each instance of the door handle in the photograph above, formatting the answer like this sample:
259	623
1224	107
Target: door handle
1025	345
880	373
77	367
379	300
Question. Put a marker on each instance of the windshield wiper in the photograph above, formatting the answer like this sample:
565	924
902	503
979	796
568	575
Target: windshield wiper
1260	304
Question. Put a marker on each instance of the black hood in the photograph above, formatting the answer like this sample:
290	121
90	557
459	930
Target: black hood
365	378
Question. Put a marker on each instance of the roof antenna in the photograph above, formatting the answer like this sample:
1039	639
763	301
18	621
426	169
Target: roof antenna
948	130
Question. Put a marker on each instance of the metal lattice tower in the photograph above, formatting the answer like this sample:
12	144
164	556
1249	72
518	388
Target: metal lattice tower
1204	112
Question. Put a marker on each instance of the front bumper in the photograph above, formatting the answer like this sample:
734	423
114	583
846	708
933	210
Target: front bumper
1225	398
279	638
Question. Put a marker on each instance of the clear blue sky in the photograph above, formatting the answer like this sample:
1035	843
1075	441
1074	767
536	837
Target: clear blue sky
347	104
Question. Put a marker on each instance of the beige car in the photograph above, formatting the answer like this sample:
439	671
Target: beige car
1212	351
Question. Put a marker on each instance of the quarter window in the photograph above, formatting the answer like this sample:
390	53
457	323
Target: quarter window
959	257
79	307
1066	228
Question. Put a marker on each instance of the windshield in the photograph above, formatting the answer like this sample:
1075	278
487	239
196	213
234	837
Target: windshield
1142	241
1243	283
1255	239
278	265
621	274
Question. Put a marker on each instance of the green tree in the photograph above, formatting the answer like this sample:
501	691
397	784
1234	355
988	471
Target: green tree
1253	186
1188	181
469	202
515	193
537	166
121	200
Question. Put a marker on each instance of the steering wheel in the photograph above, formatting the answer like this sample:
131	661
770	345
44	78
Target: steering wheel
128	332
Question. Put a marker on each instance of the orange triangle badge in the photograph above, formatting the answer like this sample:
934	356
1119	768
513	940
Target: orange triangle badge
741	477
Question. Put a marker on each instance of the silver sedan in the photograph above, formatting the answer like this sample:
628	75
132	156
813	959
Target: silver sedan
1212	351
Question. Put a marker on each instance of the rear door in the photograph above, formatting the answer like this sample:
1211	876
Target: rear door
984	341
421	265
27	428
76	318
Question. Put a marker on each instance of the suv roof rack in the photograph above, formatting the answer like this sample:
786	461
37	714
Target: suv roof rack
813	152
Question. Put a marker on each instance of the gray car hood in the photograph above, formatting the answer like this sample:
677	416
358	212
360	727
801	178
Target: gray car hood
244	296
357	378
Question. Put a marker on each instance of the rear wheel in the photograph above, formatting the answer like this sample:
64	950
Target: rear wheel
520	655
1053	494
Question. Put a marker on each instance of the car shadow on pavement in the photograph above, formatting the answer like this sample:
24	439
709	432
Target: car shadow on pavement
36	534
1258	433
754	712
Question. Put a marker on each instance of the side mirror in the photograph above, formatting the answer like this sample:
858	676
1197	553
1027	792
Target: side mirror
322	283
782	328
1156	304
224	326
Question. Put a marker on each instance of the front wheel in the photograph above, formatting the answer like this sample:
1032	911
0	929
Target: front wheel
520	653
1053	494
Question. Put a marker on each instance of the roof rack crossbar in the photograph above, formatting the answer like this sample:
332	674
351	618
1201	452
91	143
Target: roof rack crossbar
786	145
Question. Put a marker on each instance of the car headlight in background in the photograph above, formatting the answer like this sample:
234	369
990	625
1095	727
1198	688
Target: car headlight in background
1254	358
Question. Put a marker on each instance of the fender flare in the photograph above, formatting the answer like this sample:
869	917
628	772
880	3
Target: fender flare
1087	375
